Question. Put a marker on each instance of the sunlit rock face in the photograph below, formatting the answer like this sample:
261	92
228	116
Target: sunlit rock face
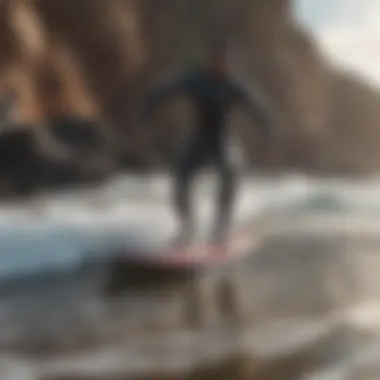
325	120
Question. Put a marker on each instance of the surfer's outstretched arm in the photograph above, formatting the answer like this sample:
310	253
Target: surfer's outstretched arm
257	108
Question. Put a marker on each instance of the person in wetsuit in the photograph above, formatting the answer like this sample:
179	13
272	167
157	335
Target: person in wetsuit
213	92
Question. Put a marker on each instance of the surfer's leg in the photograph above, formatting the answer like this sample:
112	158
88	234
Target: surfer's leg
226	194
187	166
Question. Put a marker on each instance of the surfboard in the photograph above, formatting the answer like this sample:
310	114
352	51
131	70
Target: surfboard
197	254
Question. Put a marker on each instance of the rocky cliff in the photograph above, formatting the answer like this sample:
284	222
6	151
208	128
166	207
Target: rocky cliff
97	58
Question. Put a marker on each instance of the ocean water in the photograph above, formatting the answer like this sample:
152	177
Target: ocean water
58	230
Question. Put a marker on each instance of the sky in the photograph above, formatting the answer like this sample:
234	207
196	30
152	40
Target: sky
348	31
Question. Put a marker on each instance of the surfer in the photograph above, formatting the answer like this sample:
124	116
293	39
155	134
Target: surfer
213	92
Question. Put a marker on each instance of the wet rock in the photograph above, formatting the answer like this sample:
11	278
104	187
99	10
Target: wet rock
82	134
70	151
20	163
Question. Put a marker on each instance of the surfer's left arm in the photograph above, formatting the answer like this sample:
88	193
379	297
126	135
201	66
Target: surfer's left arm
258	109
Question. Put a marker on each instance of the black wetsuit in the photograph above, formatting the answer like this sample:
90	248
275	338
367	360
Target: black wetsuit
213	98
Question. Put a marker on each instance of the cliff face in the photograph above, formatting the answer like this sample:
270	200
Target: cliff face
96	58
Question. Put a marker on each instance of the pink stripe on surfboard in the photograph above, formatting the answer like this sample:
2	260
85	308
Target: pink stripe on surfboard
202	254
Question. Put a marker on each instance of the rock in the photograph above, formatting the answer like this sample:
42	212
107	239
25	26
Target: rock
67	69
20	164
